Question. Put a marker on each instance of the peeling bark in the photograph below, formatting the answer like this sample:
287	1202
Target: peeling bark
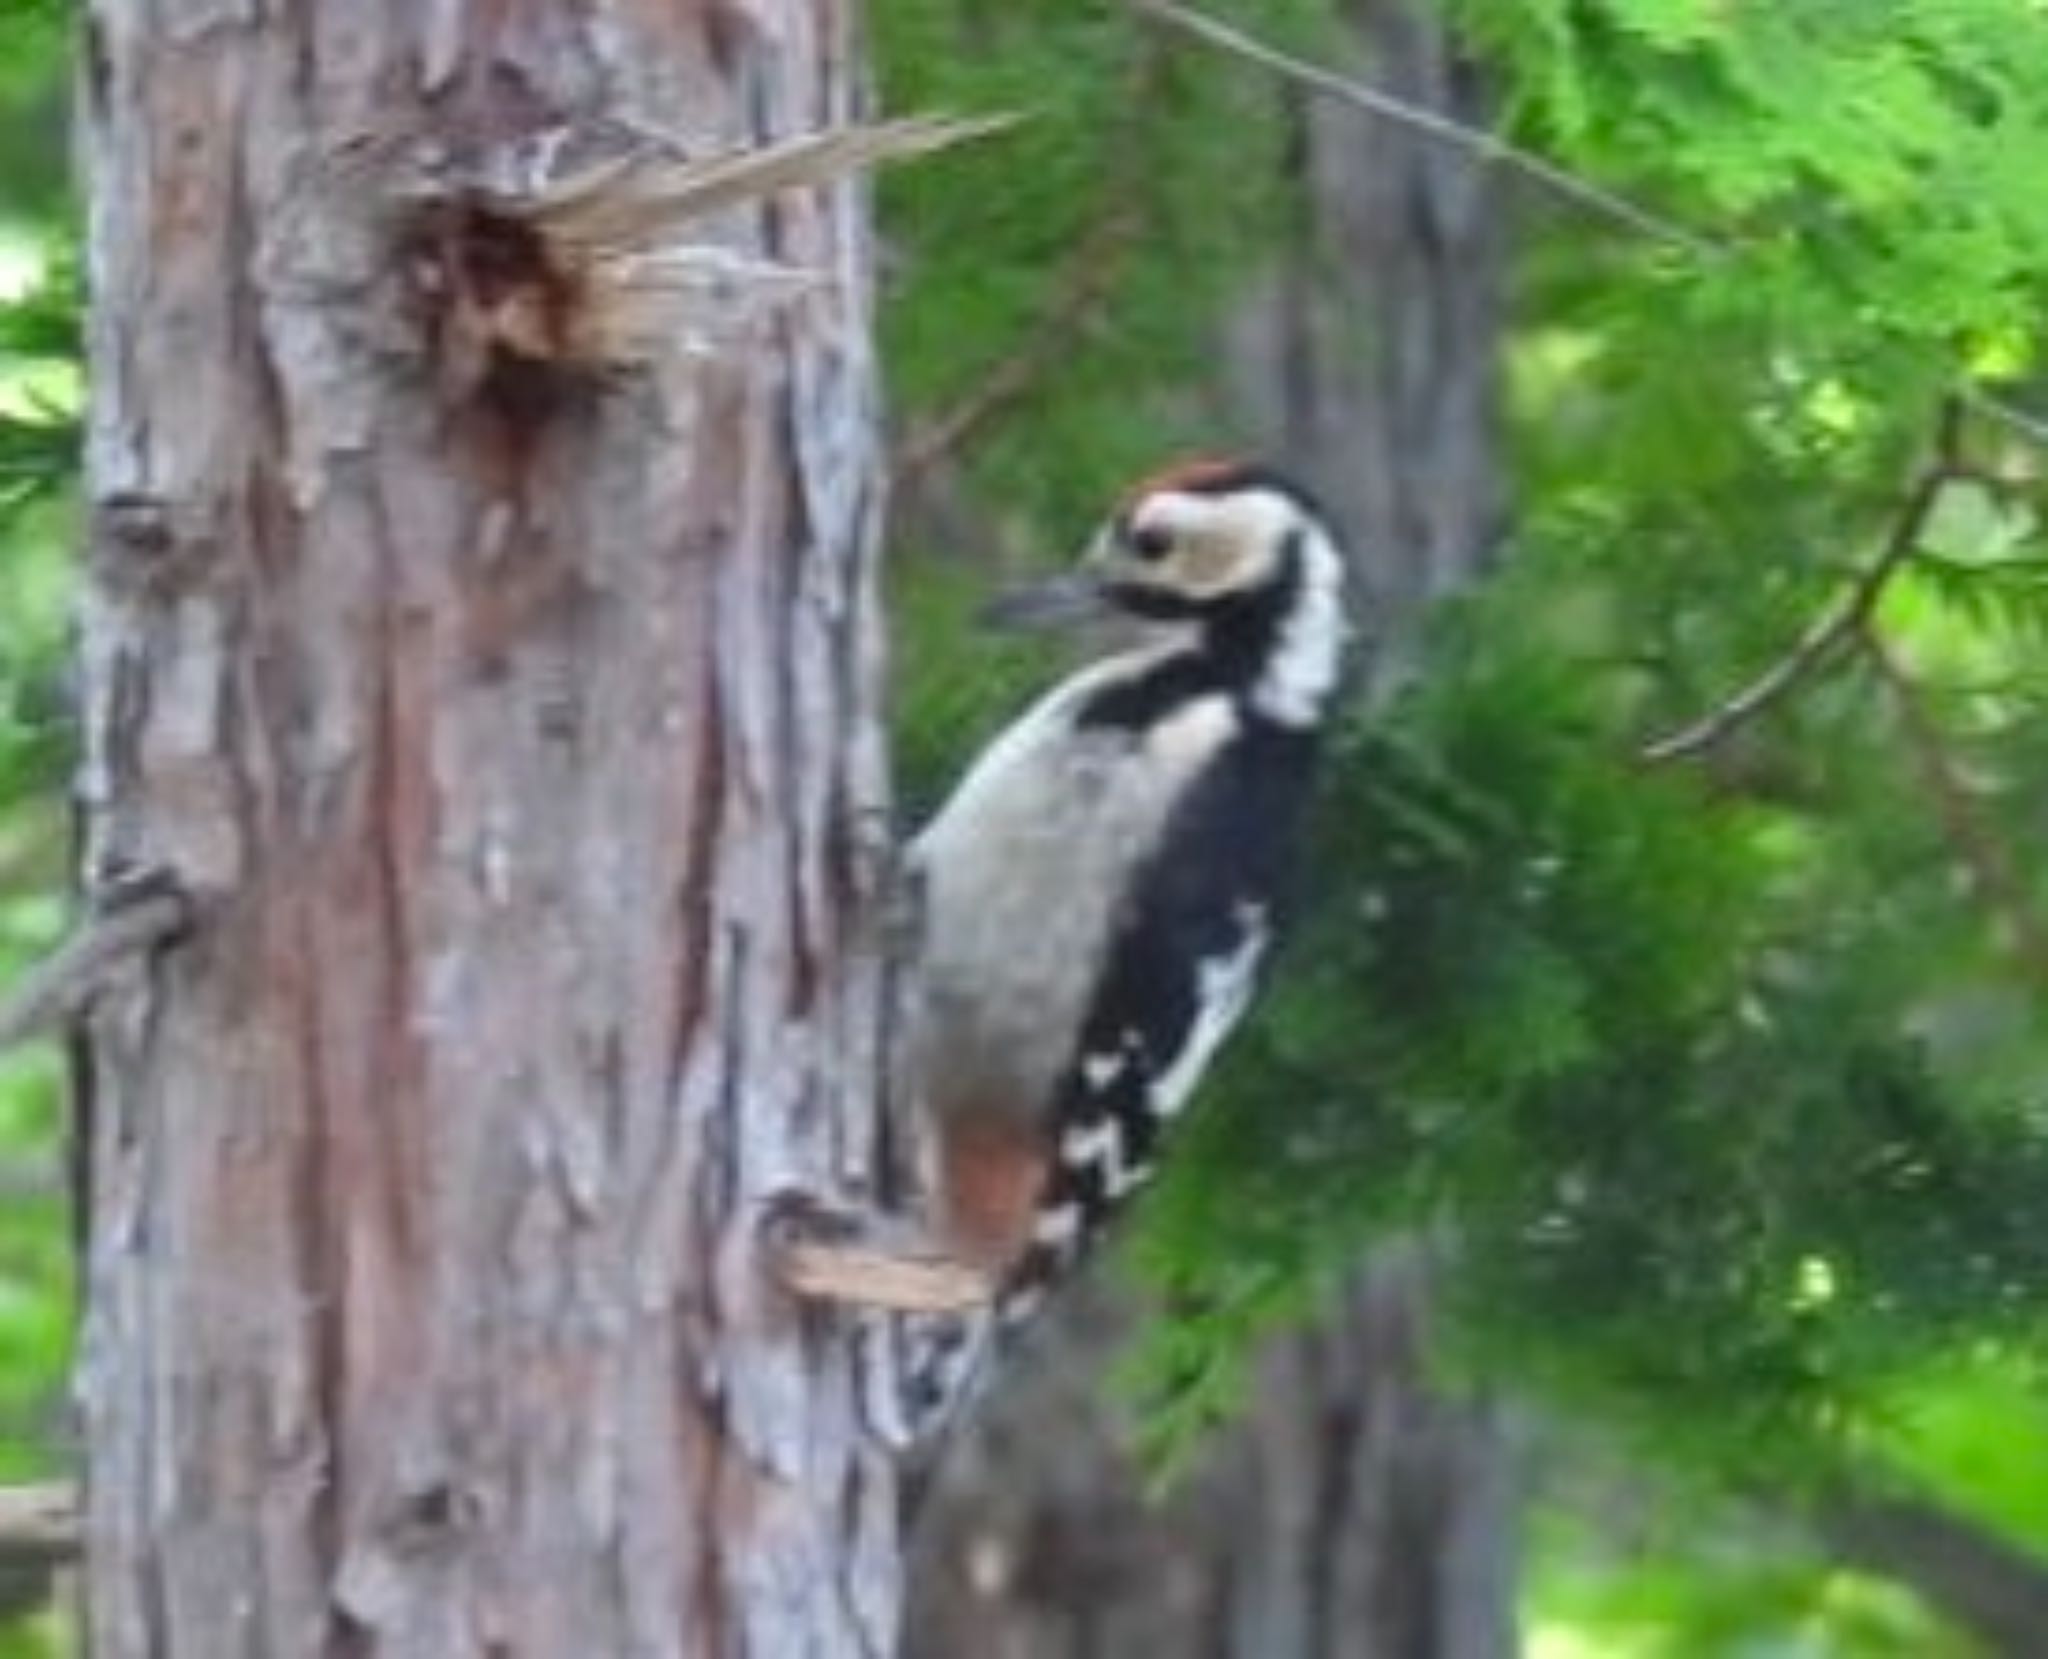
513	735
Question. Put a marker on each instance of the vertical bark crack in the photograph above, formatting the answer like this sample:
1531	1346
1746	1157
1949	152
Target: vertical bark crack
444	1146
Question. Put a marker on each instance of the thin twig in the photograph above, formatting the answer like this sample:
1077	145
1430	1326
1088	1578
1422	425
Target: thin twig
1091	272
1483	146
28	1178
38	1525
1087	275
56	990
1835	628
1993	867
1490	149
2032	427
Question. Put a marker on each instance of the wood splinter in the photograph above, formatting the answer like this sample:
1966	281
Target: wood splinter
830	1255
142	913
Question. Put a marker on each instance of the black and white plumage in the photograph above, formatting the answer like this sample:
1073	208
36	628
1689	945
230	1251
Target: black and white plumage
1103	887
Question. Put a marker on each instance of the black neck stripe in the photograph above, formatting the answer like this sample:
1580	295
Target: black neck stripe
1237	636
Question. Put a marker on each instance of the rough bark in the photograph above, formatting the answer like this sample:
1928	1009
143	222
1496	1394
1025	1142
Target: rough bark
512	726
1356	1512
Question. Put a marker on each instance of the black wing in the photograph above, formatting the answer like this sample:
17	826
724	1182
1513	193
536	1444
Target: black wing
1180	972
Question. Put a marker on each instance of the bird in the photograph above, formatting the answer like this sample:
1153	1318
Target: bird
1101	891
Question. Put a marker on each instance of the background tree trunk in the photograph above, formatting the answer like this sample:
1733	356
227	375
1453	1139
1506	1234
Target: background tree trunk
1354	1513
1372	361
512	730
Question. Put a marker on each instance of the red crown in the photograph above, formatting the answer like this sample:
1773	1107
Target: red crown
1195	473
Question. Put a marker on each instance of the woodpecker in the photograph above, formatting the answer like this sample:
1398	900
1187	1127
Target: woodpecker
1102	889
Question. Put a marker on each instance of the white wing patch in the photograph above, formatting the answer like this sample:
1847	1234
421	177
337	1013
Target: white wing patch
1058	1227
1224	986
1090	1143
1102	1145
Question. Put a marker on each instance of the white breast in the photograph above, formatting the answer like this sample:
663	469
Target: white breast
1024	870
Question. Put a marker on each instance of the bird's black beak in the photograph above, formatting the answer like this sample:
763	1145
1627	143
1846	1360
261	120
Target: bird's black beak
1063	602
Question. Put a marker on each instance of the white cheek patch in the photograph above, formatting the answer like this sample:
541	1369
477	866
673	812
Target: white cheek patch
1222	542
1211	564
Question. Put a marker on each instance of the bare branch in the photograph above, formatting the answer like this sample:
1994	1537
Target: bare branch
1091	269
27	1178
869	1261
1836	627
1988	1583
2032	427
57	989
1482	146
1994	869
39	1526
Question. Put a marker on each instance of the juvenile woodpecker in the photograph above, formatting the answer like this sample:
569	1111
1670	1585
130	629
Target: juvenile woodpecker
1103	887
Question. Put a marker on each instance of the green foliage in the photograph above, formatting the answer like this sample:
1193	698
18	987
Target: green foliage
38	446
1726	1080
1084	255
1969	1429
39	421
1667	1061
40	351
1752	1591
32	129
1866	170
1720	1087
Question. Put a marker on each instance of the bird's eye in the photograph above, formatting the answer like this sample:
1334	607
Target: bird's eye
1150	542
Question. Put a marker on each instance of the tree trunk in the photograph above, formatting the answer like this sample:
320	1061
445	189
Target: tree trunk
512	723
1373	357
1355	1514
1351	1515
